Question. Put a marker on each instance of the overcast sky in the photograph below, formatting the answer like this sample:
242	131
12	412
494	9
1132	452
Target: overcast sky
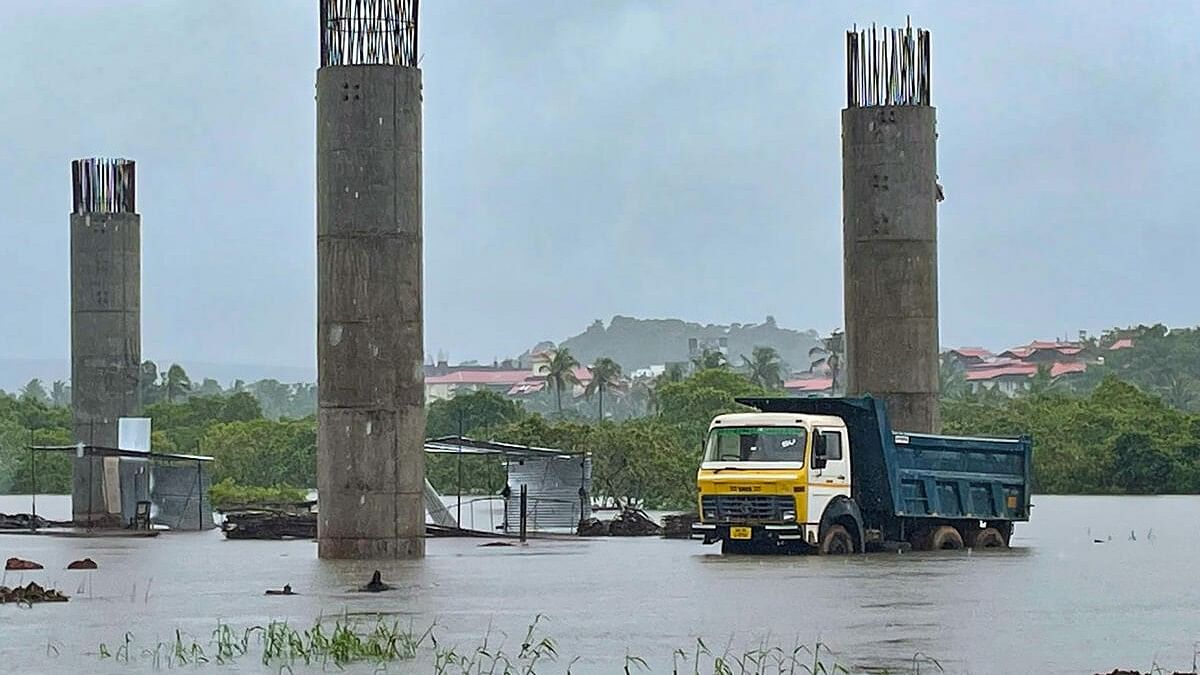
645	158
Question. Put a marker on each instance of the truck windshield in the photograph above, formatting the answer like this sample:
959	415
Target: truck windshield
756	444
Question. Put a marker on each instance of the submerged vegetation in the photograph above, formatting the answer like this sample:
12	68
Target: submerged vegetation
380	642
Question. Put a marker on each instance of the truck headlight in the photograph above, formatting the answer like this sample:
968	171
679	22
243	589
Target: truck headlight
789	516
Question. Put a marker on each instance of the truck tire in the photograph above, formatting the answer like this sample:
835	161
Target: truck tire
836	541
988	537
945	538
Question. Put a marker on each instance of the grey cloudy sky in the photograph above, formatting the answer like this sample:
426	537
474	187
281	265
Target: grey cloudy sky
583	159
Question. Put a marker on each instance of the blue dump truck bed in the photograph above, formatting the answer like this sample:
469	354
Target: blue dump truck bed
906	475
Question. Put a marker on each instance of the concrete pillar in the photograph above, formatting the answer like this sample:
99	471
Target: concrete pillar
370	344
105	326
890	195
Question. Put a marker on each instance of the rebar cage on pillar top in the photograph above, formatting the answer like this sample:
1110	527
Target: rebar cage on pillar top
100	185
887	66
369	32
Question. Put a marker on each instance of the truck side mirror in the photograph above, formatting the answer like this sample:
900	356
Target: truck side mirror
820	450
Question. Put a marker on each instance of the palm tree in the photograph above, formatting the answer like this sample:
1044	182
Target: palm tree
560	372
1179	392
148	387
273	395
952	381
605	373
673	373
709	359
764	367
830	354
1043	383
178	382
60	394
34	391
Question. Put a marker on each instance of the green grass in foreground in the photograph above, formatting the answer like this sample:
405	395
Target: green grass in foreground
350	641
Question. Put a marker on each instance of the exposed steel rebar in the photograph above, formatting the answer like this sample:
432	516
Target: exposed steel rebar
369	32
100	185
887	66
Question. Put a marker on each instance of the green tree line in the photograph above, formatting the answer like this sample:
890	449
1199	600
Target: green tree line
1133	430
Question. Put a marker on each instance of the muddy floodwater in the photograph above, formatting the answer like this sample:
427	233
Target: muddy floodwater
1057	603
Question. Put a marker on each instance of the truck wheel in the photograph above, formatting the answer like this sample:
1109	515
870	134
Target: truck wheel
945	538
989	537
836	541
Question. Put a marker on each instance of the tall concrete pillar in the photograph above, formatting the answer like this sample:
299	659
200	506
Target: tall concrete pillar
105	326
371	419
889	202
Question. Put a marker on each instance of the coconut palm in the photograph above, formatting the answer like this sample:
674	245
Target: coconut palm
673	373
1043	383
60	394
35	391
764	367
605	373
560	372
952	380
178	382
1179	392
709	359
830	354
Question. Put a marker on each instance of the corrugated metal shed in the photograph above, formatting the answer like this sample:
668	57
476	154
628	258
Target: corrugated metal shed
554	496
558	483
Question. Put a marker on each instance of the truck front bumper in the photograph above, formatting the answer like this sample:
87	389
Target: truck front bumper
781	533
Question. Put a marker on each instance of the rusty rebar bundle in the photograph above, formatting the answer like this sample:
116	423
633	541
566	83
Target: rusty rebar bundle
887	66
369	32
100	185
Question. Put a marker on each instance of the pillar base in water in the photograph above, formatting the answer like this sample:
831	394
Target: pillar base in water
334	548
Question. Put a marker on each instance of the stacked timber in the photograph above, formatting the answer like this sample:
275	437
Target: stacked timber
269	524
26	521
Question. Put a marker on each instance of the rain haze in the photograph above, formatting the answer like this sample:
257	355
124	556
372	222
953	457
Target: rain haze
650	159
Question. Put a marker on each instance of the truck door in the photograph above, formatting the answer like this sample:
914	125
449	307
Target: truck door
832	479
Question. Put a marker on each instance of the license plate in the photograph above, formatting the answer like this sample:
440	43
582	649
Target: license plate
739	533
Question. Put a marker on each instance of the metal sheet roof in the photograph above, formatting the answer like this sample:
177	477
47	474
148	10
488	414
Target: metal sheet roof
469	446
101	451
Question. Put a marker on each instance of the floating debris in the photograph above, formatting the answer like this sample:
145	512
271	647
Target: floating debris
85	564
630	522
29	594
679	525
495	543
19	564
1118	671
375	585
27	521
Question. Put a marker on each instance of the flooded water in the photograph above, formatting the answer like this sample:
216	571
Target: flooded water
1057	603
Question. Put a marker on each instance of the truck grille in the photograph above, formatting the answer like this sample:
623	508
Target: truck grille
747	508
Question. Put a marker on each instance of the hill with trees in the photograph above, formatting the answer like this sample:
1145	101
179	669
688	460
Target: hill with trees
638	343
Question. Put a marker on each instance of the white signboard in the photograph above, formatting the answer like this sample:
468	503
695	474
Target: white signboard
133	433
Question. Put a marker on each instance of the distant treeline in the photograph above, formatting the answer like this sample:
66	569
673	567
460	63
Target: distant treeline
1133	428
174	385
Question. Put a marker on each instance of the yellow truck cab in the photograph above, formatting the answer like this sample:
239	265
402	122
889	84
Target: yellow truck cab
759	486
831	475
